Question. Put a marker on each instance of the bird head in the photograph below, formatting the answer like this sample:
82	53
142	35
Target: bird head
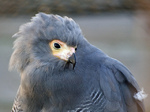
49	40
62	51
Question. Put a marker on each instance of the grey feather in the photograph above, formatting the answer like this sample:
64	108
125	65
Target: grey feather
98	83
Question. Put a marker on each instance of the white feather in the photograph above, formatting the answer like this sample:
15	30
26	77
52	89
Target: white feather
141	95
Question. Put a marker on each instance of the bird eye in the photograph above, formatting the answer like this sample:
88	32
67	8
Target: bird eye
57	46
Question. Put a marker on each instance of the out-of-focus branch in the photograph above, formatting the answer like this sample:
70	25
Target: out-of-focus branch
143	5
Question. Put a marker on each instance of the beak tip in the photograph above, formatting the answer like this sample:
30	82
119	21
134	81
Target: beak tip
72	59
74	65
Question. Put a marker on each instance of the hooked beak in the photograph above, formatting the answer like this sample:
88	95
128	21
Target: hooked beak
72	60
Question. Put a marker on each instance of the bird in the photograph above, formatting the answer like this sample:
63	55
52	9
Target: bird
60	71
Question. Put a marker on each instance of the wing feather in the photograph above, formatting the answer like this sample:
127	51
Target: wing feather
17	105
128	87
119	87
111	91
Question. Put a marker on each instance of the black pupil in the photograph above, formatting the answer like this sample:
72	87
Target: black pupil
56	45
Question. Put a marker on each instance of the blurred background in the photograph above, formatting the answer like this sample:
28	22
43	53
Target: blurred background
121	28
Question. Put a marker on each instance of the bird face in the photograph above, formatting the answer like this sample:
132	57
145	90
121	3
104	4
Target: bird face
49	40
62	51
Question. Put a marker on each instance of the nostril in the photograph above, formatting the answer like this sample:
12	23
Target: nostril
75	48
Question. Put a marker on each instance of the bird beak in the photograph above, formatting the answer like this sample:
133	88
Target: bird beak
72	60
